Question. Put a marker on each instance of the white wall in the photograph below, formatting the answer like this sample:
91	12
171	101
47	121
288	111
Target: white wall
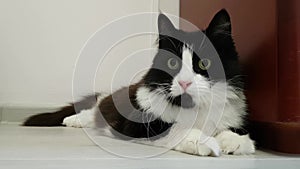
41	39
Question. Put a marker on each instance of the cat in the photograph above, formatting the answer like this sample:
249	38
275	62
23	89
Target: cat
161	107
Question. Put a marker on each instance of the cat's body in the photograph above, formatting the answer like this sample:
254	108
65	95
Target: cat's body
180	103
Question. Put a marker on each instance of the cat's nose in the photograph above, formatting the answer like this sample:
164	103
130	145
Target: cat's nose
184	84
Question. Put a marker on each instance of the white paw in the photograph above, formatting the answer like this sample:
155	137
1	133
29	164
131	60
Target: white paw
192	144
232	143
72	121
85	119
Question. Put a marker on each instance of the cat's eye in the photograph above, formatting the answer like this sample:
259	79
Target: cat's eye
204	64
173	63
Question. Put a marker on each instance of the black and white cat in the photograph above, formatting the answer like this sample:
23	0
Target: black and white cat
174	100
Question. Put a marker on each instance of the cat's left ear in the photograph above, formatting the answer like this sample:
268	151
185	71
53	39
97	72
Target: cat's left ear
165	26
220	24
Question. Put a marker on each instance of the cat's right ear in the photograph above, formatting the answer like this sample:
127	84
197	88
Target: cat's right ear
165	26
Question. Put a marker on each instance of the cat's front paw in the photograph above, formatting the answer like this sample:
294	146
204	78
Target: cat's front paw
232	143
72	121
84	119
192	144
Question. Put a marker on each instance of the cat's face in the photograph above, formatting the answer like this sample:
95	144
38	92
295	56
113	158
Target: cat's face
187	63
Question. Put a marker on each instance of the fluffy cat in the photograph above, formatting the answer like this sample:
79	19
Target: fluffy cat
171	105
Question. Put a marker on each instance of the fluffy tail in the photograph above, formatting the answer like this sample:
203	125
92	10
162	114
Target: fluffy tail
50	119
56	118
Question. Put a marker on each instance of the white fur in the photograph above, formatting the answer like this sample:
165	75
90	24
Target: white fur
186	71
191	144
156	103
188	140
84	119
210	118
233	143
199	84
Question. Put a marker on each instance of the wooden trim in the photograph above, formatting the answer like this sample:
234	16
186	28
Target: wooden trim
288	60
278	136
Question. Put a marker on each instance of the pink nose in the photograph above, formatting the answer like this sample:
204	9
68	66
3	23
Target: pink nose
184	84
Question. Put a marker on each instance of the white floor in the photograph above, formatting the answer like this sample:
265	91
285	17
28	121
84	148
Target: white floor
71	148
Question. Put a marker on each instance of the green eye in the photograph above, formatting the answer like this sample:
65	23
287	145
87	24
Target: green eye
173	63
204	64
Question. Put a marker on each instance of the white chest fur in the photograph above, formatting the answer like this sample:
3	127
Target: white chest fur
216	111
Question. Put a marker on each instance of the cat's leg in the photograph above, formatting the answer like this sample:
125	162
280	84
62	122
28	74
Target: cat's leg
232	143
84	119
191	141
192	144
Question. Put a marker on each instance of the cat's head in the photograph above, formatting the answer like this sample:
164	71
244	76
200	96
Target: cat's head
188	63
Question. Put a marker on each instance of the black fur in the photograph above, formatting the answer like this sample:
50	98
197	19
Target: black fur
132	122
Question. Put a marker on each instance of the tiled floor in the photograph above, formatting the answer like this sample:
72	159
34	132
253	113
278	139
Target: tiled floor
71	148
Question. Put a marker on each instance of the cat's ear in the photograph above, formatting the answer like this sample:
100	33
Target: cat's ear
165	26
220	24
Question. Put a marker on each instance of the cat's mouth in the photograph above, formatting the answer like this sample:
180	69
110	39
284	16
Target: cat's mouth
184	100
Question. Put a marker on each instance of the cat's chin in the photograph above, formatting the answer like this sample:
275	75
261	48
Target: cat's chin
184	101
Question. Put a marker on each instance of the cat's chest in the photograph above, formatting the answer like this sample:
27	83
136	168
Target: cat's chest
212	119
211	115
